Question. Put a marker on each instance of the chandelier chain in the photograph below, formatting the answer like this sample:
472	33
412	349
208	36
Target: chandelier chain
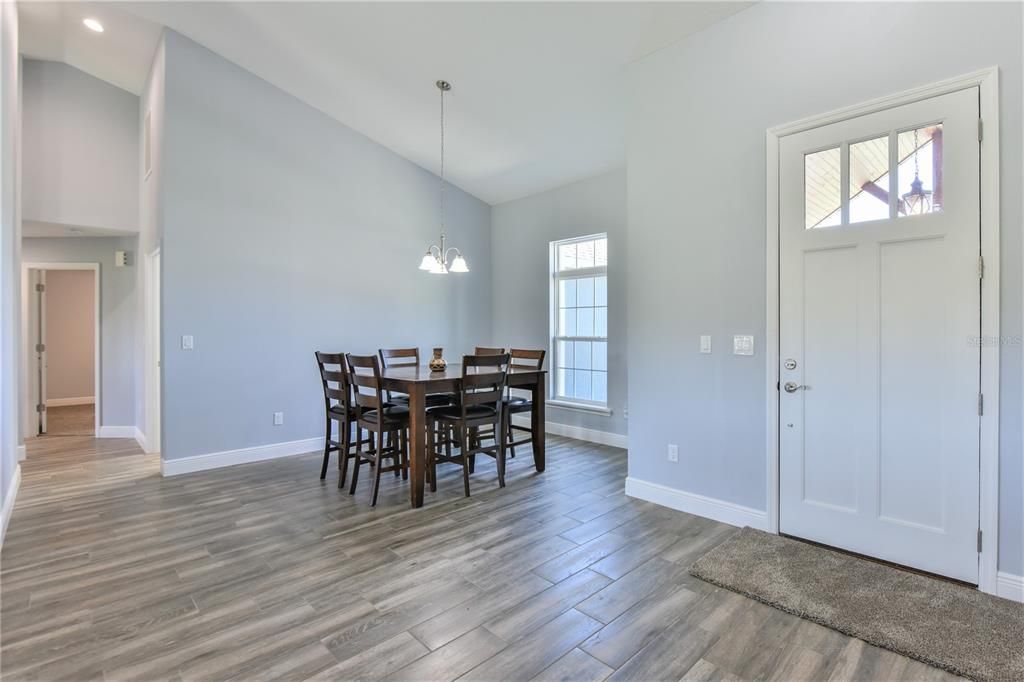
442	161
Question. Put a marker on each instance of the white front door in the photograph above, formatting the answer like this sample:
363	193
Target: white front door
879	324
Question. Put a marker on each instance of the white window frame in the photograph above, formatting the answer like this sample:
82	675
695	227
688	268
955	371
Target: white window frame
556	276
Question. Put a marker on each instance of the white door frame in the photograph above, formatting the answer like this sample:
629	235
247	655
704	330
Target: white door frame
152	355
97	389
987	81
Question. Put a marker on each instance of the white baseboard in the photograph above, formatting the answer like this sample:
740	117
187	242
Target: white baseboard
8	508
22	453
140	438
216	460
64	402
616	440
692	503
1010	586
117	432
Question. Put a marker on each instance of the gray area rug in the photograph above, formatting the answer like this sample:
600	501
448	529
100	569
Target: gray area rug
946	625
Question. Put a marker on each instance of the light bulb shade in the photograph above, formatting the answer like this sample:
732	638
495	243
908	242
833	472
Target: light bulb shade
459	264
438	268
428	262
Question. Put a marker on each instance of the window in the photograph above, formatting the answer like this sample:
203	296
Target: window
579	321
916	157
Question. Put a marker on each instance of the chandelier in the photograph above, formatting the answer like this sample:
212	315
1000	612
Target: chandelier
435	260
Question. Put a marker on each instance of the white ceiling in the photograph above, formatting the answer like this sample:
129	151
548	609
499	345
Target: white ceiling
538	88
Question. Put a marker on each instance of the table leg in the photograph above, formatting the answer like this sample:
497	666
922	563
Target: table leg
417	447
538	421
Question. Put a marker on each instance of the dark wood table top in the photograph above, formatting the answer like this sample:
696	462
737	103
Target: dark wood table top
423	374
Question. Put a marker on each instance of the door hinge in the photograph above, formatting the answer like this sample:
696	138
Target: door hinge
40	287
777	386
981	267
979	540
981	130
40	347
40	408
981	404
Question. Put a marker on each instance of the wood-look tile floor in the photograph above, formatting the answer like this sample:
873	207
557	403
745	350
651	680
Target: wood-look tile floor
71	420
259	572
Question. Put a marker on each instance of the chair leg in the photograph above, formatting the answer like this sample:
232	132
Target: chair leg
358	460
500	429
376	473
465	459
510	436
404	442
432	458
346	443
327	449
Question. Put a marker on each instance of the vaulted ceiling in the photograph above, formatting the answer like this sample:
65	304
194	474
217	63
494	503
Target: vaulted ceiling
538	96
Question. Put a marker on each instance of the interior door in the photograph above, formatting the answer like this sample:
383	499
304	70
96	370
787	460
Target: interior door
879	321
40	348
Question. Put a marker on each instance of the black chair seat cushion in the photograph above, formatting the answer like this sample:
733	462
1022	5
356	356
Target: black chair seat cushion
395	413
514	404
339	410
455	412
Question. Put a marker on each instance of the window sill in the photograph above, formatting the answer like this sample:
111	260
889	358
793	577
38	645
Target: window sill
580	407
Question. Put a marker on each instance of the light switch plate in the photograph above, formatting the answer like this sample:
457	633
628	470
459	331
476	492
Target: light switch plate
673	452
187	342
278	418
705	344
742	345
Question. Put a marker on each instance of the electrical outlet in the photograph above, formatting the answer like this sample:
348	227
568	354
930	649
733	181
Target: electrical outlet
278	418
187	343
673	452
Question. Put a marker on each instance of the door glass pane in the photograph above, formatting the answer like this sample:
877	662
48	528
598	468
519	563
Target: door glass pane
582	389
566	293
584	322
821	189
869	180
582	355
585	291
567	256
600	386
920	170
601	291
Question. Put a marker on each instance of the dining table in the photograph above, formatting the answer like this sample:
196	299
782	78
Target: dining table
417	381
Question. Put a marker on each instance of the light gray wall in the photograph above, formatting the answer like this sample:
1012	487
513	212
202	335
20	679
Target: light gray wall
81	138
521	234
151	103
118	327
70	334
294	234
696	156
10	246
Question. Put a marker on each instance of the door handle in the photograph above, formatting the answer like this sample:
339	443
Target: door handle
791	387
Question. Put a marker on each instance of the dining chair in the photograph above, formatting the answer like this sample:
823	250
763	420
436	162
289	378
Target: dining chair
408	357
337	408
516	403
481	393
481	350
380	419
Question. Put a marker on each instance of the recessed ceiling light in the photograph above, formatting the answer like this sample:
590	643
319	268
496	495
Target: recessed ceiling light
93	25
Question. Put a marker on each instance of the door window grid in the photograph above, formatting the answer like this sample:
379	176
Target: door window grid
871	194
580	320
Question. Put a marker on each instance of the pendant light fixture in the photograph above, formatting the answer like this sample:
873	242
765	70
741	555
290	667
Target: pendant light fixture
918	200
435	260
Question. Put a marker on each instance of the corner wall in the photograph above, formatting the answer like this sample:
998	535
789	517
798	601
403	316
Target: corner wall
294	233
521	233
696	156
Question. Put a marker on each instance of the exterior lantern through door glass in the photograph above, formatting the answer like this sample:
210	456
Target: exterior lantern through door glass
918	200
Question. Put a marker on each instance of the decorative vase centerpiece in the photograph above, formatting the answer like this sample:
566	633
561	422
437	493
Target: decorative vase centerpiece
437	363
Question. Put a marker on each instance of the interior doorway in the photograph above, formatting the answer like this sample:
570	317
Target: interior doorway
61	341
